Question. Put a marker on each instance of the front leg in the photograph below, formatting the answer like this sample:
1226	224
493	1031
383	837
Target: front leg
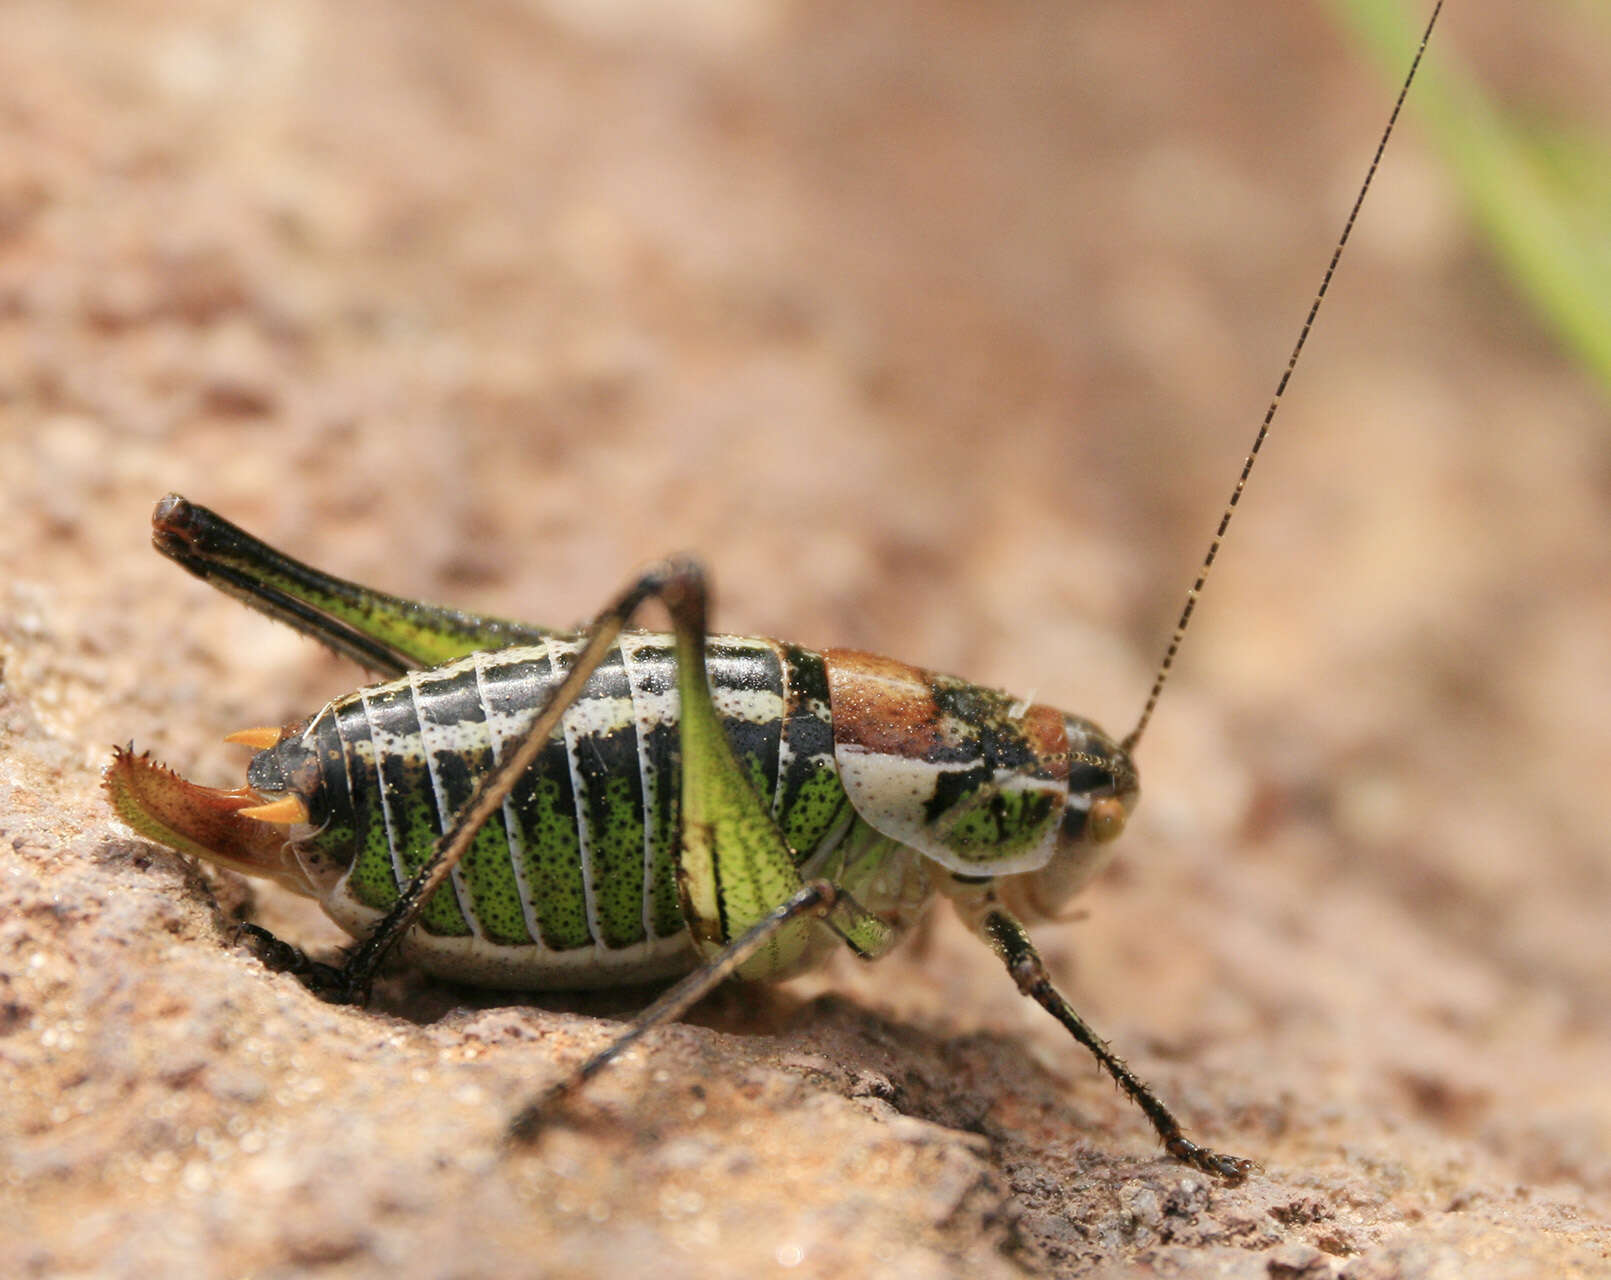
1010	941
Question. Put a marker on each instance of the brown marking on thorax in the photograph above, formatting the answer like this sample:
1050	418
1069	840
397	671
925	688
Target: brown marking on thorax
1047	735
886	706
882	705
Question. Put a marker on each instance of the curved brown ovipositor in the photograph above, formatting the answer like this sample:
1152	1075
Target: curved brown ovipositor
205	822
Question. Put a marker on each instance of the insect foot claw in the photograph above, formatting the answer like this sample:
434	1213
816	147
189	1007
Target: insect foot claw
329	983
333	985
279	956
1232	1168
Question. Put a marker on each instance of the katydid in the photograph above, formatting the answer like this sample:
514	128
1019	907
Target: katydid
526	807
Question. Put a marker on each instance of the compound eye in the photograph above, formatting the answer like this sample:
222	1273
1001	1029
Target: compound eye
1106	819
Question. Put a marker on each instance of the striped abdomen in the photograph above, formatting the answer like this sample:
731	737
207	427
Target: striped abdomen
576	878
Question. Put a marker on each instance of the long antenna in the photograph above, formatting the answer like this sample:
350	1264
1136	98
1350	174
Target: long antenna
1134	736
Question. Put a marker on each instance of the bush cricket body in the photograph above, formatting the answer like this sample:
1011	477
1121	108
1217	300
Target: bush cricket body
526	807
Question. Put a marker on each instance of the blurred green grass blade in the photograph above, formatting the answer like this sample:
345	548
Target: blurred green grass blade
1541	195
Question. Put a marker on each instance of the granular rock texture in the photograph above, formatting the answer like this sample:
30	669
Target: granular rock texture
936	330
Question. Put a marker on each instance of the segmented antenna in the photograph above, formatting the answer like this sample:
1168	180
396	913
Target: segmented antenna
1134	736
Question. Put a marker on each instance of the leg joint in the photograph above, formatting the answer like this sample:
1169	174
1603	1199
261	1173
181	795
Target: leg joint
1028	972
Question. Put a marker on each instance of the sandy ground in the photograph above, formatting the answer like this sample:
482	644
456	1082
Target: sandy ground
937	330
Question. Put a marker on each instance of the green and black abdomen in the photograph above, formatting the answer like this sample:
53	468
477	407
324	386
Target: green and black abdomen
583	854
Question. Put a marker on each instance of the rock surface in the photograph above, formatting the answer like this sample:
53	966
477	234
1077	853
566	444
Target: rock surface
937	330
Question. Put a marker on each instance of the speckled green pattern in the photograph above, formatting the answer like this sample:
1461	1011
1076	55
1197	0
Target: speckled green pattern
601	737
990	808
649	667
373	877
409	798
335	816
389	802
808	800
1001	824
547	846
552	859
585	850
458	744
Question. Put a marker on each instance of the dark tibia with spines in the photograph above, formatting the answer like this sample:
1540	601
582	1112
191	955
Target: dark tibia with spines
1012	943
816	898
